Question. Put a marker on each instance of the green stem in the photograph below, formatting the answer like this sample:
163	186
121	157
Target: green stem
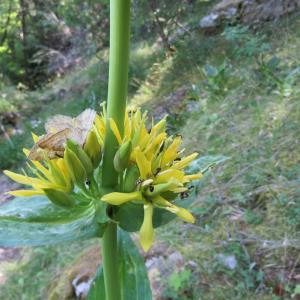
110	263
117	83
116	105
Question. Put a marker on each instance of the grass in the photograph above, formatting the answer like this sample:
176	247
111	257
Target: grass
248	209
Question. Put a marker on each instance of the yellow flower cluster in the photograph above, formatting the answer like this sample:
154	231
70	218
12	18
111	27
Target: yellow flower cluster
150	164
161	165
51	174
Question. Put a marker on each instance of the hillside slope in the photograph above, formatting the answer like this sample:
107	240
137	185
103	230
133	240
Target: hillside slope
236	94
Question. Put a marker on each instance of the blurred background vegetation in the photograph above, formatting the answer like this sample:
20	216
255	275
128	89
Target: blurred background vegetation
227	74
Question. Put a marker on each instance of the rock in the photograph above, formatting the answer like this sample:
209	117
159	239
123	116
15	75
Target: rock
81	284
6	185
74	281
210	20
228	261
248	12
161	267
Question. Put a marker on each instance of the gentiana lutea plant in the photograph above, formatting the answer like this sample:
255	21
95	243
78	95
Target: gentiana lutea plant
151	168
103	175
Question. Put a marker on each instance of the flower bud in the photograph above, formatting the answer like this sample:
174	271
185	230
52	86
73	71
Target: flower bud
131	177
57	174
154	190
82	157
59	198
75	168
93	148
122	156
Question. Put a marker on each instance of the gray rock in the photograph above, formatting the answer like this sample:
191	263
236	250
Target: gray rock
248	11
211	20
228	261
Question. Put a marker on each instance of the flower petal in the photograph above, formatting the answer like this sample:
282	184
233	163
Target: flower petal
120	198
168	174
115	130
188	178
179	211
185	161
25	193
143	164
147	231
22	178
171	152
35	137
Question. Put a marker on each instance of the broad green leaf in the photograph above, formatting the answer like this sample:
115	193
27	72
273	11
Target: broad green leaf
130	216
36	221
97	289
133	274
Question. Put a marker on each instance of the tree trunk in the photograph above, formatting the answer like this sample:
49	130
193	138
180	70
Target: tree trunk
160	26
23	13
6	24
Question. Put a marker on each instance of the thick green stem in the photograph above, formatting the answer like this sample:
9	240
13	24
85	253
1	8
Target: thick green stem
117	83
116	105
110	263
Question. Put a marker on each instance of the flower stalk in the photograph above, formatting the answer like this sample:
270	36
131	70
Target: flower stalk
116	105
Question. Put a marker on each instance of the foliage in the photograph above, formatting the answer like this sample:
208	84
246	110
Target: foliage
273	73
245	42
179	285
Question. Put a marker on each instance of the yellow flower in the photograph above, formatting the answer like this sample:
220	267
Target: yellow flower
161	167
54	176
51	174
60	174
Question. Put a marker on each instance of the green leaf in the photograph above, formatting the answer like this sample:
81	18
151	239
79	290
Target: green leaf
130	216
133	275
97	289
36	221
59	198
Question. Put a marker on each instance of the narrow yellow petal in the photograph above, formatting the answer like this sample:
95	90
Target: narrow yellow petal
154	145
183	214
34	182
39	166
185	161
127	127
35	137
61	163
57	174
168	174
178	190
161	125
25	193
21	178
188	178
42	169
120	198
143	164
171	152
100	126
26	151
115	130
147	231
179	211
